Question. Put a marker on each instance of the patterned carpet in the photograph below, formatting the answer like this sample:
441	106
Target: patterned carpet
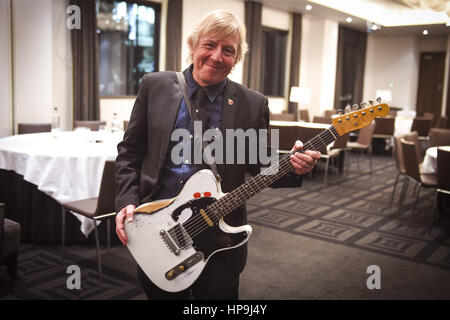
351	211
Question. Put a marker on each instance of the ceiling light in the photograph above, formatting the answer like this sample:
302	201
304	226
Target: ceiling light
349	20
374	27
308	7
425	32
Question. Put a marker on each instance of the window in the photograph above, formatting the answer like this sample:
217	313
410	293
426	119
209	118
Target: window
128	44
273	61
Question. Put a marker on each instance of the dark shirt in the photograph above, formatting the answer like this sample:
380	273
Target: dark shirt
174	176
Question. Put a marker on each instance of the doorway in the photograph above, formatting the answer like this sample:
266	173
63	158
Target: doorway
431	83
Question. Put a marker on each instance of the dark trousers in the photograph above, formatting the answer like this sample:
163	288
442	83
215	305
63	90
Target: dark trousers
216	282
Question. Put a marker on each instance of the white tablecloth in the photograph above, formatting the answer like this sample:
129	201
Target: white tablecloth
429	165
67	166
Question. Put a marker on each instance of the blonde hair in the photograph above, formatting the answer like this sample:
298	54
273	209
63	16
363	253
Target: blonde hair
222	24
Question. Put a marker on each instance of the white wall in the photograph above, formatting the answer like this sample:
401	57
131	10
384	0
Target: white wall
392	63
5	83
318	62
42	62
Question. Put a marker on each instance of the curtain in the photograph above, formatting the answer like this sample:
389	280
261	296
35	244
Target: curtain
86	104
252	64
294	74
351	59
173	35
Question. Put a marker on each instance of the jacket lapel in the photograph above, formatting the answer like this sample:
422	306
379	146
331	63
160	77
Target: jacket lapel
172	112
229	113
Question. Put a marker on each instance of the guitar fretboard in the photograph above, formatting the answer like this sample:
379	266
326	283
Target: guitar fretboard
244	192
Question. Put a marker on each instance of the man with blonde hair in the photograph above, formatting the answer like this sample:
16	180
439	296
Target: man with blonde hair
144	169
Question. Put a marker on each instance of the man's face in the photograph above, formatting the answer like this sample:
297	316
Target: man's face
213	59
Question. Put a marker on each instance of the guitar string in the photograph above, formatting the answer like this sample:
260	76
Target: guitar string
194	227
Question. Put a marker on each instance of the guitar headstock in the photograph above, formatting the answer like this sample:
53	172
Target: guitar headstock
360	118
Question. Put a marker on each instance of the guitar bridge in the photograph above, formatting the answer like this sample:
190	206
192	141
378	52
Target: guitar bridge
176	238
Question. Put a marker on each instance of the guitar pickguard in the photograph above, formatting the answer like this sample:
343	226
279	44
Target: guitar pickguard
212	238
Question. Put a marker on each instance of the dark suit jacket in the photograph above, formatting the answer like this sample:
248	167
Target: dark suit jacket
144	148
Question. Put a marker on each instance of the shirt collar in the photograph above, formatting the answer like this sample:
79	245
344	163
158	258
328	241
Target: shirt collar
212	91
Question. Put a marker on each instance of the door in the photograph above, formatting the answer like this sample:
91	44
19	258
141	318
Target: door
431	83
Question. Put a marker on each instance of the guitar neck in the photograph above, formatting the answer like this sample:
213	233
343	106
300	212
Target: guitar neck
244	192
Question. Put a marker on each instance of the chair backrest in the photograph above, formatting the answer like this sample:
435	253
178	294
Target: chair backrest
429	115
2	222
319	119
422	125
24	128
398	155
365	135
303	114
329	113
410	158
107	194
93	125
341	142
439	137
442	122
414	137
443	169
282	116
384	126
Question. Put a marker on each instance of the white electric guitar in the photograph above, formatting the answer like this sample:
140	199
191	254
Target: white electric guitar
173	239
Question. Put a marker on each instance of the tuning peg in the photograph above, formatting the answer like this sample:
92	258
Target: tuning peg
347	109
371	102
362	105
355	107
340	111
379	99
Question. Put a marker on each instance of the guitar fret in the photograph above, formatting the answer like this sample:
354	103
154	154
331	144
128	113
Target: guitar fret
241	194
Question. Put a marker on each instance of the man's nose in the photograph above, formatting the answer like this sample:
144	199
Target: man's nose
217	53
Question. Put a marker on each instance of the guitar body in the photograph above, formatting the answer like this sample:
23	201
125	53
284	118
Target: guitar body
173	239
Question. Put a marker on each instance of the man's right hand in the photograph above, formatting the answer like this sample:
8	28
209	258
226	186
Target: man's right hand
125	213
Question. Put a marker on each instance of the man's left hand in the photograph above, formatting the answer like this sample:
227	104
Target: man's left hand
303	162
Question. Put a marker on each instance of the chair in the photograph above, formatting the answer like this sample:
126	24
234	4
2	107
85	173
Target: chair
282	116
422	125
439	137
93	125
414	137
319	119
442	122
429	115
96	208
329	113
400	165
413	170
24	128
125	124
384	128
303	114
333	152
363	143
9	243
443	180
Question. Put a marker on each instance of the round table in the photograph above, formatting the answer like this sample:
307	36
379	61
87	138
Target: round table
67	166
429	165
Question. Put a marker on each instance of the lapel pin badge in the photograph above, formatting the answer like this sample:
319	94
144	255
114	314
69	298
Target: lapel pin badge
230	102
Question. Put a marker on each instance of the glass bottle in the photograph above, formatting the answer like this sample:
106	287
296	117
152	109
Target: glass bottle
115	124
55	120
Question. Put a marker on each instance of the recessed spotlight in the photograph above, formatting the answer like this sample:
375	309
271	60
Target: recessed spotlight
425	32
374	27
308	7
349	19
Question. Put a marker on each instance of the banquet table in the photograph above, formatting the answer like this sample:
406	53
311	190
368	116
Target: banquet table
429	165
66	166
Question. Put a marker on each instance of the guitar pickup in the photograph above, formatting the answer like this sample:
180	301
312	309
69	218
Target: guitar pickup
183	266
